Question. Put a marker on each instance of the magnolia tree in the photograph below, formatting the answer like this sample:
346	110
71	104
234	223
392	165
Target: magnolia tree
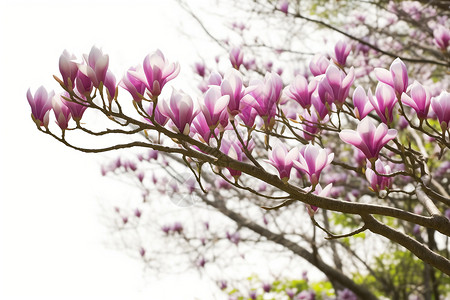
298	163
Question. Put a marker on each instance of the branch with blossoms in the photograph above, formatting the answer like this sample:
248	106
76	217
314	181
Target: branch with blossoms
242	126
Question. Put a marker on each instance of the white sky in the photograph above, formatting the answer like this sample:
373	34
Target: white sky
50	234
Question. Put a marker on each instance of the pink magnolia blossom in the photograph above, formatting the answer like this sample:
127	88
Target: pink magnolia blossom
335	85
300	91
361	103
378	182
441	107
310	124
180	110
384	102
62	112
368	138
283	5
396	77
41	104
200	68
213	106
76	109
420	100
95	66
83	84
318	65
215	78
157	71
110	85
232	86
159	117
312	160
248	115
68	68
282	160
441	37
341	51
265	96
233	150
236	57
325	192
201	127
133	85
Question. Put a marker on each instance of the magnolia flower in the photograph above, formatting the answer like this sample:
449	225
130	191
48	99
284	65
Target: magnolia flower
40	103
159	117
368	138
378	182
420	100
384	102
62	112
300	91
441	107
76	109
180	110
213	106
441	37
361	103
95	66
157	71
318	65
234	151
396	77
282	160
236	57
233	87
312	160
325	192
133	85
335	85
283	5
68	68
341	51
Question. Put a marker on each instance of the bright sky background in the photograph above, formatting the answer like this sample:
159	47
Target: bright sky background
51	240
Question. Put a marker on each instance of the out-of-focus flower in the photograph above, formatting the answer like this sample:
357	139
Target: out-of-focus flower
236	57
441	37
368	138
283	5
341	51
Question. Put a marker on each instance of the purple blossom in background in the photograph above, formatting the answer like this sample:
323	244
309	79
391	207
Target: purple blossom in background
266	287
341	51
368	138
396	77
346	294
420	100
62	112
236	57
234	151
306	295
180	110
253	295
378	182
384	102
312	160
200	68
361	103
95	66
283	5
282	160
41	104
441	37
318	65
441	107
